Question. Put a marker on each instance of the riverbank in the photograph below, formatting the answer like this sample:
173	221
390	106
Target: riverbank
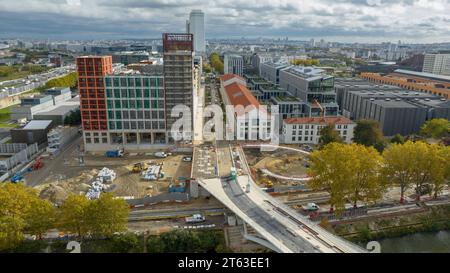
431	219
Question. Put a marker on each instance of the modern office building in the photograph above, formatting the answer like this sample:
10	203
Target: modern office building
91	76
196	26
271	71
399	110
179	76
136	109
130	57
437	64
233	64
314	87
307	130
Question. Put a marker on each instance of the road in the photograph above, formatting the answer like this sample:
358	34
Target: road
145	215
271	224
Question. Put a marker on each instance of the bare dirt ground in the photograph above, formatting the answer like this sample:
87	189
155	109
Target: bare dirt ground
63	175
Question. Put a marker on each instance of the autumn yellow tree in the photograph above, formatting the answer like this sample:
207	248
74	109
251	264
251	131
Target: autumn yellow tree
398	169
107	215
21	210
347	172
440	168
72	215
40	218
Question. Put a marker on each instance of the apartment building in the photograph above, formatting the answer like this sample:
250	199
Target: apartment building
437	64
307	130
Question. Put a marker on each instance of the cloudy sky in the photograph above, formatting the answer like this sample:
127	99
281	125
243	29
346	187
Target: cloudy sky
334	20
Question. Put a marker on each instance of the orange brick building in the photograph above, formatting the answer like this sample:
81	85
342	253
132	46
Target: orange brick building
91	72
416	81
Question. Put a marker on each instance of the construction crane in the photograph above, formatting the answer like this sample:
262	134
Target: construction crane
322	110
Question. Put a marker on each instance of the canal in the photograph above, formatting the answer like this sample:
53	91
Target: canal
426	242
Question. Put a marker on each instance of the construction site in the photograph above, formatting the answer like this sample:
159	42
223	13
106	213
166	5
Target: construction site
277	169
130	175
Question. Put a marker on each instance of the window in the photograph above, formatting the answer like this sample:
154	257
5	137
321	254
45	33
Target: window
293	138
110	114
88	140
117	103
146	104
110	104
104	140
118	125
139	104
112	126
146	93
118	115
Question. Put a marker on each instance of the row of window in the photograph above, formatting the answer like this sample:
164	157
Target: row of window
135	104
137	125
295	127
134	82
134	93
136	115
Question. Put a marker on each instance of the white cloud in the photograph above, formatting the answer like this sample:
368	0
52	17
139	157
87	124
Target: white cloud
420	20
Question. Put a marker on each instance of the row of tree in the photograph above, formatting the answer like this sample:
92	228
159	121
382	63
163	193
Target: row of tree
307	62
357	173
22	211
369	133
216	62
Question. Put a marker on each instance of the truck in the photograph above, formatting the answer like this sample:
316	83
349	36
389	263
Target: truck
17	178
138	167
114	153
196	218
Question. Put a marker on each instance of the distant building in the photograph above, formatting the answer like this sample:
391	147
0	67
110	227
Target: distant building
233	64
399	110
437	64
313	86
307	130
196	26
271	71
413	80
130	57
30	106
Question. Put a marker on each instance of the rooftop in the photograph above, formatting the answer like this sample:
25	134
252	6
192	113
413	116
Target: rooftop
37	125
423	74
319	120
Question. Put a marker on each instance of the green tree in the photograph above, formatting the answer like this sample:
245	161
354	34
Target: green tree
328	134
40	218
126	243
107	215
398	139
347	172
436	128
368	133
72	215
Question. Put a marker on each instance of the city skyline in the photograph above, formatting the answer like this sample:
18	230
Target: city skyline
352	21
